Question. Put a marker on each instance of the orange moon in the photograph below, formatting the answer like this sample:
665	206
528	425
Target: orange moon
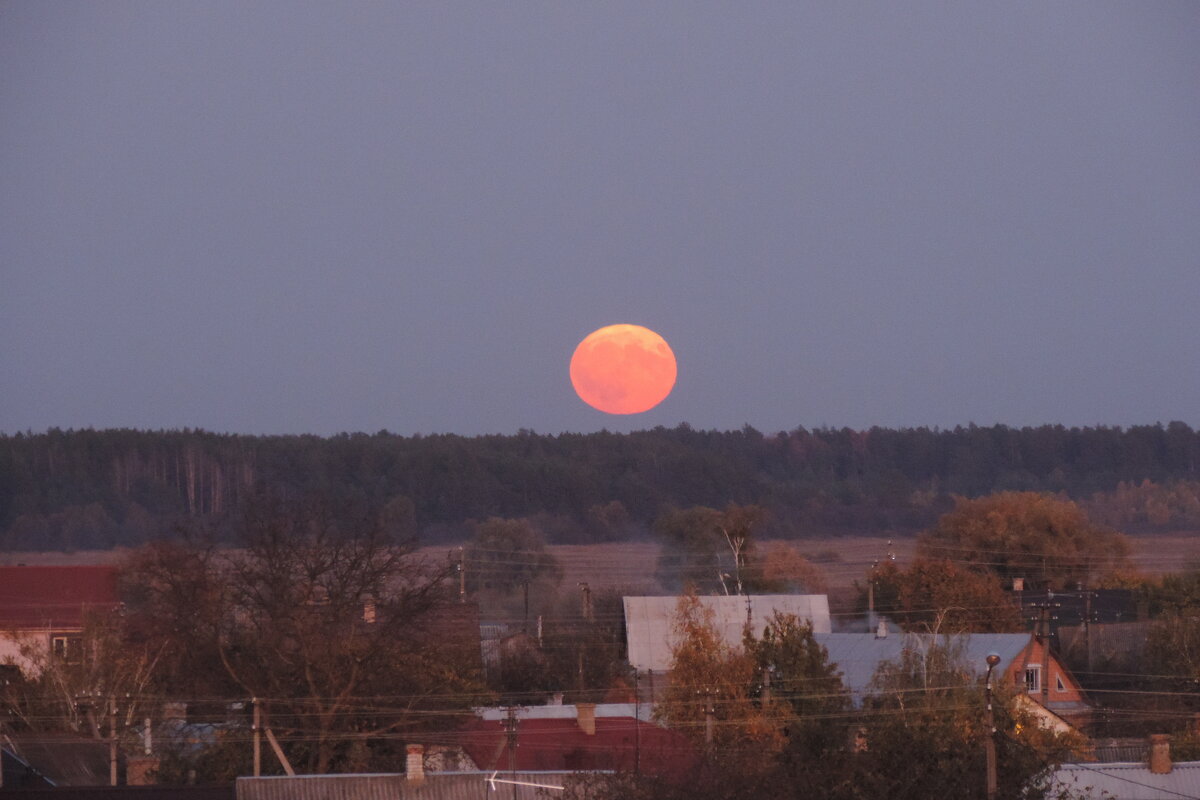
623	369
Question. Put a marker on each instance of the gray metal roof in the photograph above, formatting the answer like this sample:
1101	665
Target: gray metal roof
858	655
1133	749
649	621
644	711
435	786
1130	781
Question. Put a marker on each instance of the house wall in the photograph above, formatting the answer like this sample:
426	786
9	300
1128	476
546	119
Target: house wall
35	643
1037	653
1046	718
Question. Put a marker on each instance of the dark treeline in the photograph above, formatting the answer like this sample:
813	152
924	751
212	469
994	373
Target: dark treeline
99	488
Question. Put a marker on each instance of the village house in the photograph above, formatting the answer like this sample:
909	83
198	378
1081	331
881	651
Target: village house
579	737
410	785
43	609
650	622
1042	684
1152	778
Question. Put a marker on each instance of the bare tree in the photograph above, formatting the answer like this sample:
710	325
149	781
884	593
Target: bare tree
329	621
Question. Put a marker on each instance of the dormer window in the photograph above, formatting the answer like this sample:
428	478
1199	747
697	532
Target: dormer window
1033	678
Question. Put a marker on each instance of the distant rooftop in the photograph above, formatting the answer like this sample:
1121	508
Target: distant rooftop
649	621
643	711
1129	781
54	597
858	655
435	786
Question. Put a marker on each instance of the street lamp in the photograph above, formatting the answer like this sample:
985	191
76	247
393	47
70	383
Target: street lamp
990	742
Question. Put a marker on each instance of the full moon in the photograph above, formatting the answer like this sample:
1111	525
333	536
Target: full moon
623	369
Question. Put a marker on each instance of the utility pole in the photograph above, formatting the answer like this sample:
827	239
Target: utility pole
1045	676
511	728
112	741
525	620
637	723
1042	635
271	740
708	719
462	575
579	673
257	728
989	742
871	595
1087	626
586	596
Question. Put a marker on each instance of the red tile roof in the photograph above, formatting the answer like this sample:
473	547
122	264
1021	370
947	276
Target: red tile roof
54	597
560	744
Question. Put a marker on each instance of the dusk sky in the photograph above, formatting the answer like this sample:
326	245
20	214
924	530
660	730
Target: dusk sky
291	217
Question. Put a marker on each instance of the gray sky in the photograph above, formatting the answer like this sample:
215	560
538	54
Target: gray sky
285	217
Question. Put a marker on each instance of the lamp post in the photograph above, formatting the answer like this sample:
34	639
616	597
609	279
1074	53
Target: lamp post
990	742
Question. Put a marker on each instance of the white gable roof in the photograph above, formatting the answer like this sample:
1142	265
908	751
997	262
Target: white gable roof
649	621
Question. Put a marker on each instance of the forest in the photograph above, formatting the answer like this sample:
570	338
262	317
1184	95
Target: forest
86	489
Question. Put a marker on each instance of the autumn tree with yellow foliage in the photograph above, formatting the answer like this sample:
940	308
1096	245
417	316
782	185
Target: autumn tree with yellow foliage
1048	541
938	595
709	697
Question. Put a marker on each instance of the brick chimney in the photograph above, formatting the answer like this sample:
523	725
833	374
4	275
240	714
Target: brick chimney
586	714
1160	753
414	762
141	771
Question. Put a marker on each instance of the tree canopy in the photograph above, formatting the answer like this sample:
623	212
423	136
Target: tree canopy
94	489
710	550
1047	541
505	554
311	615
938	595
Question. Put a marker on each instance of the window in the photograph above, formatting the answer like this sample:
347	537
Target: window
1033	678
1058	683
67	648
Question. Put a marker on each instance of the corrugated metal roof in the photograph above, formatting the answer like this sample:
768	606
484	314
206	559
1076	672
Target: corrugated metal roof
1122	749
858	655
1130	781
436	786
617	743
63	758
649	621
644	711
54	597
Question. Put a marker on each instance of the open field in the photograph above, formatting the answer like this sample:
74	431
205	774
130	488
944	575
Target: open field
630	565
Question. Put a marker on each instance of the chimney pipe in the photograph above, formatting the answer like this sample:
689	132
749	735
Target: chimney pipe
586	714
1160	754
414	762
